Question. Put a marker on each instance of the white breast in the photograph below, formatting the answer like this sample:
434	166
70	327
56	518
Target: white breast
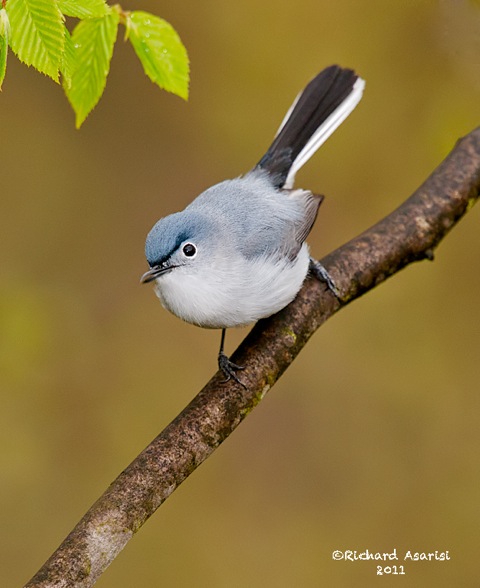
229	296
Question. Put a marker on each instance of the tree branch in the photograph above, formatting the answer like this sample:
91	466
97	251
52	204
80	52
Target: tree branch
408	234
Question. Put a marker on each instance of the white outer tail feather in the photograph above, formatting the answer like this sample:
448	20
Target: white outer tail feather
324	130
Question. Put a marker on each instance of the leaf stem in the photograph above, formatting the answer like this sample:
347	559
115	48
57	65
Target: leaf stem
124	14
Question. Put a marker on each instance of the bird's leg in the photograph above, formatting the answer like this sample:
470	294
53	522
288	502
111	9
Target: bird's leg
228	367
317	270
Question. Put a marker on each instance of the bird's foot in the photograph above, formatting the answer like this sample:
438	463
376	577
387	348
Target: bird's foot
229	368
317	270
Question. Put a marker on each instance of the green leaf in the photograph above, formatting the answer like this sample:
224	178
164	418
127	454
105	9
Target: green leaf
4	36
84	8
160	50
68	64
37	35
93	40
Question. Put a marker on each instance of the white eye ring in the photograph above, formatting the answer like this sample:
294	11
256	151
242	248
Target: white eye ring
189	250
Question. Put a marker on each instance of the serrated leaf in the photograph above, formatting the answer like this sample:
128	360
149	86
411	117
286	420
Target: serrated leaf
37	36
93	40
4	36
68	64
84	8
160	50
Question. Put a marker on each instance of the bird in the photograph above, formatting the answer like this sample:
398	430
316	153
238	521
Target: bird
238	253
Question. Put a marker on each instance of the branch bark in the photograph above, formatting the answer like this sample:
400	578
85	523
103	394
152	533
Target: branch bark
410	233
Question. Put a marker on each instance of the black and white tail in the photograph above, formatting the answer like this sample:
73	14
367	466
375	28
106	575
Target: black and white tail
315	114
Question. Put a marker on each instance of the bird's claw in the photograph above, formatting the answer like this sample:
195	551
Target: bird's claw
319	271
229	368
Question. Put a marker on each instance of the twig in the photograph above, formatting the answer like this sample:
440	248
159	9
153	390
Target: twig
408	234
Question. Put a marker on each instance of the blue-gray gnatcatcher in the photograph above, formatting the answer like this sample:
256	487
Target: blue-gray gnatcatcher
237	253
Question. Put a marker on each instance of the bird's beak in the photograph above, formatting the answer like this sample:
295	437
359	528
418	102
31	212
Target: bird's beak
153	273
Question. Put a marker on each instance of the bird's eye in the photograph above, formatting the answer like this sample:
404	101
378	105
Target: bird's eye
189	250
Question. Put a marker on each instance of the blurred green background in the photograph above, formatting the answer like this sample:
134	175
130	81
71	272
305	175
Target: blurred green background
371	439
